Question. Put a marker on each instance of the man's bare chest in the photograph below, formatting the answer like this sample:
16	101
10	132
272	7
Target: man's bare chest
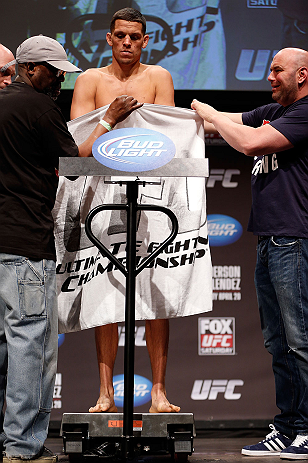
144	92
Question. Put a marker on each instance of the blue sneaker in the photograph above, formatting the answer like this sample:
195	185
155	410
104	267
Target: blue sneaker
298	450
272	445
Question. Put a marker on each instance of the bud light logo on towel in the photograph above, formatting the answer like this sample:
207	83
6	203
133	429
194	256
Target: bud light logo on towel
133	149
223	230
142	390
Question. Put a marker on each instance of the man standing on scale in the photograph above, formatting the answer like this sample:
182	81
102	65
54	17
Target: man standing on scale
96	88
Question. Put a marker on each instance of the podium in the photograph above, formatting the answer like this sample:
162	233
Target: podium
127	434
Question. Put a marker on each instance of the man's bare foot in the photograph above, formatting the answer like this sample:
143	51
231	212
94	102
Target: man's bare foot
160	404
165	408
104	405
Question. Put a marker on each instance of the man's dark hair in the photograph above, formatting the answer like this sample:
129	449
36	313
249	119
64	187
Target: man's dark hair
128	14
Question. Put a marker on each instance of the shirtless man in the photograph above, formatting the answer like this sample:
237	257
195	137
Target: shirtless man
7	66
96	88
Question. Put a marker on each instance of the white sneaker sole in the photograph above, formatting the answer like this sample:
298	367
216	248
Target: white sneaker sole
259	453
294	456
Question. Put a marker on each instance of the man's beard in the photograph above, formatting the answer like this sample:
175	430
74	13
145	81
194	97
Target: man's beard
53	91
287	94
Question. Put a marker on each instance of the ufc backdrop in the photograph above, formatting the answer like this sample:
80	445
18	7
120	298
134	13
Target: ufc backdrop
205	44
217	365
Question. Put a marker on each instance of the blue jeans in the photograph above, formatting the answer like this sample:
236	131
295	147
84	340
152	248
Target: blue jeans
28	352
281	280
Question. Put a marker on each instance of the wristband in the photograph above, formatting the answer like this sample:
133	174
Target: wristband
106	125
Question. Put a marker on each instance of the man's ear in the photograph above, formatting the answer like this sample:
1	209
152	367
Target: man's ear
30	67
145	40
302	75
109	39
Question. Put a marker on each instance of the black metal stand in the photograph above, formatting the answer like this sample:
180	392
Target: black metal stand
130	272
171	433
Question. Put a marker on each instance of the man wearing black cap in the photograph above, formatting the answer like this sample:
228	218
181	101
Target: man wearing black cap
33	135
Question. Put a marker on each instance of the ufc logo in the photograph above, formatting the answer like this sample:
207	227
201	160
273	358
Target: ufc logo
209	389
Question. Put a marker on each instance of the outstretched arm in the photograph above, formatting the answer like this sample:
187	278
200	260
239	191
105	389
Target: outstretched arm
248	140
204	109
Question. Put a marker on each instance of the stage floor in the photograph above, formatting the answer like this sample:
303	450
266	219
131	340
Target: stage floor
210	449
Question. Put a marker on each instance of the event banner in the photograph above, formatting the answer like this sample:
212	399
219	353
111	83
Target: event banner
91	292
204	44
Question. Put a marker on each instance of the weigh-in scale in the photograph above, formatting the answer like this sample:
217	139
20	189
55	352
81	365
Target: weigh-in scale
128	435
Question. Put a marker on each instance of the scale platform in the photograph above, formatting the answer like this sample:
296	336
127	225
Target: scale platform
90	435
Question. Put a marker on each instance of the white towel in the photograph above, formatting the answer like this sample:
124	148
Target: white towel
91	292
